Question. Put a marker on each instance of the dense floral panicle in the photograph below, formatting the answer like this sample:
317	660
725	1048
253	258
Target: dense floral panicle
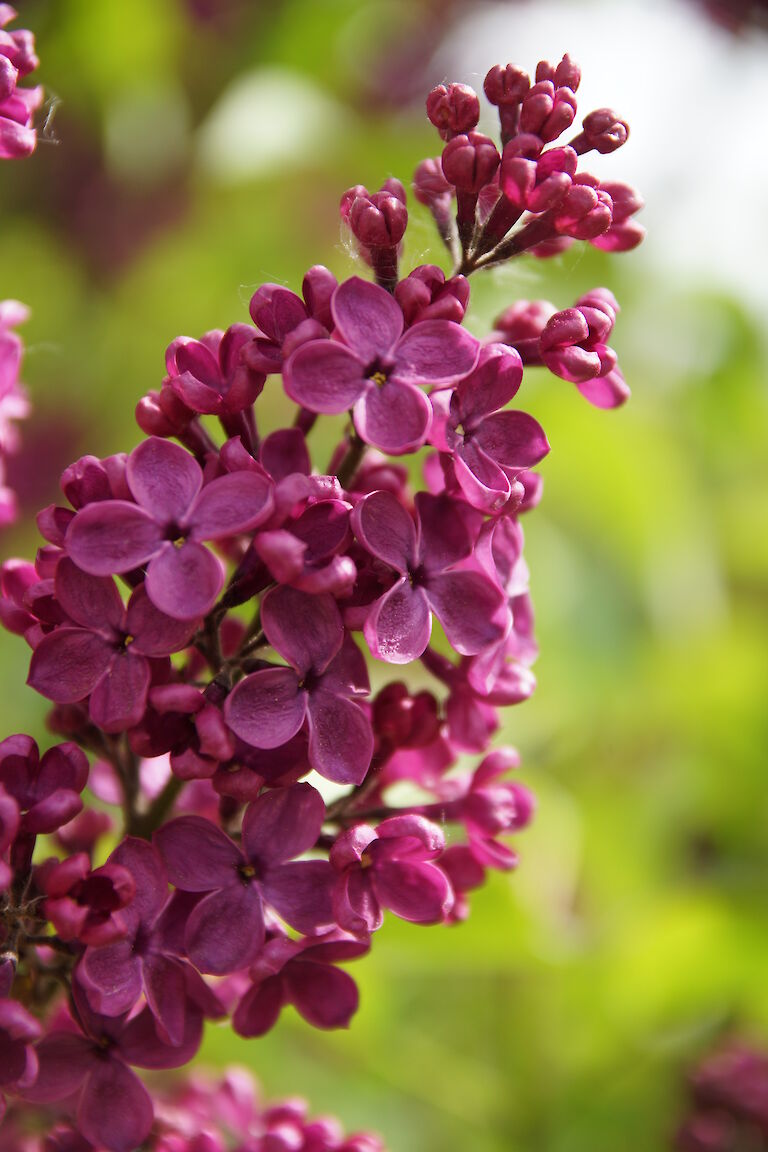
232	667
18	137
729	1102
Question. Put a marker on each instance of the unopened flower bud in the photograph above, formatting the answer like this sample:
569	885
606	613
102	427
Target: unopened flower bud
430	184
506	85
470	161
453	109
378	221
603	131
566	74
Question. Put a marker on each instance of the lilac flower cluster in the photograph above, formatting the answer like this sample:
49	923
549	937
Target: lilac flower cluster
729	1103
198	1115
17	105
13	398
202	613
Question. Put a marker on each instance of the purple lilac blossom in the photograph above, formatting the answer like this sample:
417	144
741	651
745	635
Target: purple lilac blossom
375	369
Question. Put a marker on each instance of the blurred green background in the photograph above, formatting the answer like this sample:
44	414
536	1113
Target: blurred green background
198	149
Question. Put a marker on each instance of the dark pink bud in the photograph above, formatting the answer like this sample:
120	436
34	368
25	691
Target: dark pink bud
349	198
378	221
603	131
394	187
317	289
586	210
566	74
506	85
547	111
470	161
453	109
429	183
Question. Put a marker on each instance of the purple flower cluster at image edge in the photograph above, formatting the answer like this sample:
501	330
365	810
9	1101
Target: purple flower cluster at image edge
18	105
203	615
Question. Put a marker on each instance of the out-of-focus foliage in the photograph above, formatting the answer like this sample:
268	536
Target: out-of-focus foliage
561	1016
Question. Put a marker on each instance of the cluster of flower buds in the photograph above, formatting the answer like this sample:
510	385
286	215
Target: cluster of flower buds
17	105
202	616
13	399
571	343
529	197
197	1115
729	1103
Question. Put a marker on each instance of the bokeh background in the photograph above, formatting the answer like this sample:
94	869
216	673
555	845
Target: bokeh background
196	149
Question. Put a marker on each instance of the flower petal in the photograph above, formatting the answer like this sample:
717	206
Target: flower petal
283	824
198	855
385	529
119	699
435	352
468	605
325	996
267	708
306	630
93	602
399	624
395	416
513	439
367	318
154	633
112	536
231	504
417	892
301	893
115	1110
259	1009
111	978
184	582
225	931
324	376
164	478
67	664
340	738
146	866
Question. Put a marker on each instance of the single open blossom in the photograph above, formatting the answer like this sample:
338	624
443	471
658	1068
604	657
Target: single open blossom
114	1109
376	369
105	649
85	904
389	866
113	975
302	973
209	374
173	513
47	789
487	445
573	345
225	931
425	554
326	670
